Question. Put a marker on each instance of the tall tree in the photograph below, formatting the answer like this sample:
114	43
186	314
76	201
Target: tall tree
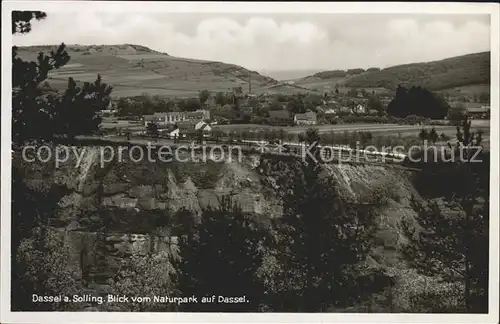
448	245
375	104
204	95
423	135
417	101
320	241
221	257
433	135
39	116
152	129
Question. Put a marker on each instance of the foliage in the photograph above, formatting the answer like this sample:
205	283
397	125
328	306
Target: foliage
423	135
145	276
21	20
319	241
221	99
221	258
417	101
433	135
444	74
207	177
190	104
447	244
77	109
375	104
275	105
39	116
381	194
418	293
152	129
457	114
484	97
330	74
44	269
204	95
312	136
444	137
295	105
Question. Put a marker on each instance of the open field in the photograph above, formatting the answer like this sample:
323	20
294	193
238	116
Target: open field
379	128
133	70
375	129
468	90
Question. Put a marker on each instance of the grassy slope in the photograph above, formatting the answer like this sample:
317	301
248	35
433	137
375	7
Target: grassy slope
464	71
133	69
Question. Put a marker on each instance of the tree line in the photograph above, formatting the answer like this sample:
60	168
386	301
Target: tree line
417	101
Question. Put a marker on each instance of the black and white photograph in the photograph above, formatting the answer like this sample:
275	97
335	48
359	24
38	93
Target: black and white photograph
209	161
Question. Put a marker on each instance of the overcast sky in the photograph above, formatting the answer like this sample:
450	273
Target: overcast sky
276	41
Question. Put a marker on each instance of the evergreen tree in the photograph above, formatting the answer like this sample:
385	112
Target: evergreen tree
433	135
39	116
375	104
448	245
417	101
152	129
221	257
204	95
423	135
320	241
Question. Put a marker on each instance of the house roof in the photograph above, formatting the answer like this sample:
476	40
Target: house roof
190	124
168	128
205	126
174	113
197	112
281	114
151	117
478	110
307	116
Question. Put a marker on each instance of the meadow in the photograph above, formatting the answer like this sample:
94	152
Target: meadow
132	71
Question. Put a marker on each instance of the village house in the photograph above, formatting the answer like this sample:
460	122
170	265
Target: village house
308	118
108	113
280	117
360	109
482	113
192	127
330	111
157	118
170	131
345	110
174	117
198	114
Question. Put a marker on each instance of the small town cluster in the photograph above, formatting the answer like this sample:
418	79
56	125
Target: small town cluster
183	117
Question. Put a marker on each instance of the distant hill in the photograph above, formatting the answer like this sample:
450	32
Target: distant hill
284	75
465	70
134	69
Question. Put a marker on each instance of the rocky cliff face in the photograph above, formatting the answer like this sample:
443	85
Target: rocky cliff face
120	208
